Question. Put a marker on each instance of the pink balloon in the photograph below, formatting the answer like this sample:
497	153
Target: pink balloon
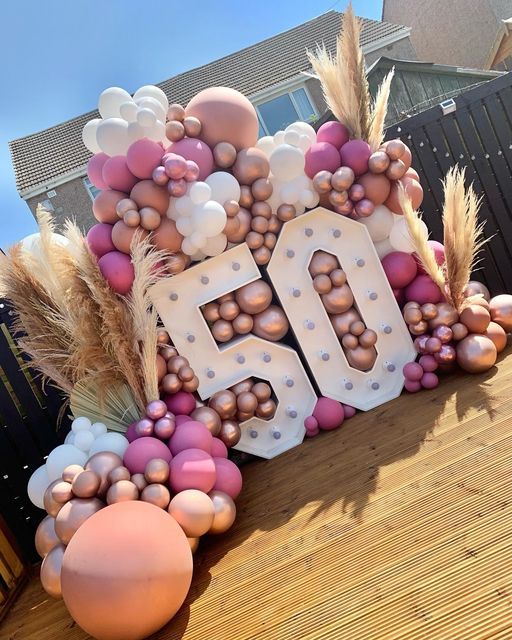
413	371
117	175
399	296
192	469
118	271
422	290
334	133
429	380
219	449
329	413
99	239
321	156
428	363
412	386
182	403
131	434
438	249
191	435
142	450
355	154
349	411
180	419
196	150
229	478
143	157
400	268
95	169
311	423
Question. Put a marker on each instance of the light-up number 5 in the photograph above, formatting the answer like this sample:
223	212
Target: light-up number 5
350	242
178	301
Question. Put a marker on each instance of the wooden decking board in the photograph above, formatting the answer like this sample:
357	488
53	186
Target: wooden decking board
398	526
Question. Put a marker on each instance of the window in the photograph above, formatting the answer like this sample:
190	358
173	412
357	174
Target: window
278	113
91	189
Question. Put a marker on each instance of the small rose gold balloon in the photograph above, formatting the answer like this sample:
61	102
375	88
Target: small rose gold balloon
132	218
227	297
222	331
139	481
269	240
501	311
476	318
244	220
262	391
125	205
411	305
497	335
322	283
52	507
225	512
361	358
86	484
167	352
254	240
122	491
185	374
240	387
224	403
338	277
338	300
229	310
459	330
250	164
341	322
211	312
378	162
271	324
73	514
413	315
161	367
446	315
224	154
395	149
119	473
482	302
191	385
274	224
103	463
286	212
419	328
262	209
174	131
338	198
429	311
162	336
242	417
230	433
232	228
171	383
259	224
261	189
247	402
175	364
176	112
209	417
396	170
342	179
322	181
476	353
50	571
157	471
473	288
254	297
322	262
357	328
46	538
266	409
231	207
368	338
71	471
193	510
192	126
349	341
176	263
243	324
246	198
156	494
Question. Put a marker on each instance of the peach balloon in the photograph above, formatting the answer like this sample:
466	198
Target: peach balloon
51	569
476	353
193	511
167	236
497	335
476	318
104	205
412	188
148	194
126	572
225	511
501	311
194	544
376	187
226	116
123	236
46	538
73	514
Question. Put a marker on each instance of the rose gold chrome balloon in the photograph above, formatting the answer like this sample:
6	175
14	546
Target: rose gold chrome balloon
259	224
266	409
119	473
396	170
103	463
338	277
230	433
176	263
419	328
378	162
254	297
192	126
132	219
240	387
61	492
262	391
139	481
446	354
322	283
52	507
262	189
342	179
73	514
232	228
222	331
244	220
270	240
395	149
46	538
125	205
271	324
209	417
225	512
497	335
443	333
474	288
429	311
322	182
459	330
157	471
224	154
186	374
361	358
122	491
413	315
349	341
191	385
176	112
247	402
322	262
261	256
246	197
254	240
476	353
86	484
171	383
175	364
174	131
156	494
338	300
224	403
243	324
274	224
231	207
286	212
70	472
262	209
51	568
211	312
341	322
501	311
368	338
149	218
193	510
250	164
446	315
476	318
337	198
357	328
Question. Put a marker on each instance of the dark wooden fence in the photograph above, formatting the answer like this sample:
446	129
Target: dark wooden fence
28	419
477	135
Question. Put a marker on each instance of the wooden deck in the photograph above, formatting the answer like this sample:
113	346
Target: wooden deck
397	526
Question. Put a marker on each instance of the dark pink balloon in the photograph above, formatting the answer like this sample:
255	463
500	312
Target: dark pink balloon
229	478
95	170
180	419
334	133
191	435
117	175
422	290
428	363
412	386
219	449
182	403
349	411
400	269
311	423
118	271
321	156
99	239
143	157
196	150
429	380
399	296
142	450
355	154
413	371
192	469
329	413
131	434
438	253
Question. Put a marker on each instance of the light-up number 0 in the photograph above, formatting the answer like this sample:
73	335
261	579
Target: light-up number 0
178	301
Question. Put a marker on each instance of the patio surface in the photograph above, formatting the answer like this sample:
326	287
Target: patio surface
396	526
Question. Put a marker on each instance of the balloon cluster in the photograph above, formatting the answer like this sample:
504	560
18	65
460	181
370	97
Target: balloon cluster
420	375
253	399
327	415
330	282
407	278
246	310
174	371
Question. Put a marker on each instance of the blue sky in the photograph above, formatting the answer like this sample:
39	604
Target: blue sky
57	57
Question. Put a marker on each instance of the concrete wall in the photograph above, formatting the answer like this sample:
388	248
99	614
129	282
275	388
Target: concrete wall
456	33
72	200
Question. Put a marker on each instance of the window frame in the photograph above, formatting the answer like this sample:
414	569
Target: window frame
289	91
88	184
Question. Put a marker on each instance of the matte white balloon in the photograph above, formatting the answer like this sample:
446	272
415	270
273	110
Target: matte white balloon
112	136
383	247
135	131
188	247
292	137
146	117
128	111
210	218
110	441
61	457
289	193
303	128
278	138
83	440
37	485
379	224
216	245
309	198
32	243
266	144
154	105
286	162
223	187
98	429
110	101
80	424
155	132
89	135
185	226
184	205
150	91
199	239
400	238
200	192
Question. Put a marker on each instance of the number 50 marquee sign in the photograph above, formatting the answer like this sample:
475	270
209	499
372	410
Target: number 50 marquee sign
178	301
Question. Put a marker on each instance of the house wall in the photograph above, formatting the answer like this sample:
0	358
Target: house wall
72	200
456	33
401	50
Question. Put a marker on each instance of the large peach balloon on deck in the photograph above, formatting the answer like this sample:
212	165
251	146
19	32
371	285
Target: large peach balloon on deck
497	335
476	353
501	311
226	116
126	572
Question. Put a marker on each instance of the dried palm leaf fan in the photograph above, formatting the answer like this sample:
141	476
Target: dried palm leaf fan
345	87
463	237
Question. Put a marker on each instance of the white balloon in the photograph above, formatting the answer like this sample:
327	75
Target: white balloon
188	247
81	424
400	238
155	132
32	244
286	162
154	105
110	441
379	224
266	144
98	429
210	218
275	199
150	91
299	209
112	136
289	193
89	135
198	239
304	129
216	245
383	247
37	485
146	117
184	205
292	137
128	111
185	226
200	192
224	187
309	198
135	131
110	102
304	143
83	440
172	212
70	438
197	256
278	138
61	457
